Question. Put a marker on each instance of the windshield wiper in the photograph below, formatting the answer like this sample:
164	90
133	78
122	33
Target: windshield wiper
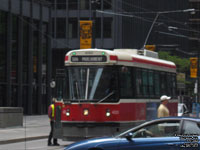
111	93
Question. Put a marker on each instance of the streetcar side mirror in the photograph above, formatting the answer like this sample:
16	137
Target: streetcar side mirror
53	84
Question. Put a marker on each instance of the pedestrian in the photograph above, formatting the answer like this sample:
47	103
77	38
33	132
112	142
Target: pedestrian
51	114
162	109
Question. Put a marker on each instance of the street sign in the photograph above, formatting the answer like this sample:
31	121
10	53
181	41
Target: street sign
193	67
85	34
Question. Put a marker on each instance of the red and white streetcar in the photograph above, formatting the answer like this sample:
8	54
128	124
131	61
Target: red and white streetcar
103	92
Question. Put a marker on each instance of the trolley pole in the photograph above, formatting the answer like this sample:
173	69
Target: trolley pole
156	18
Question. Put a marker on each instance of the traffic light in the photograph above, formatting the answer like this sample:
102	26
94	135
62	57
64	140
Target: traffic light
193	67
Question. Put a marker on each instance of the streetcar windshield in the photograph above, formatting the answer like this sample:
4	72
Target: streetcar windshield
91	84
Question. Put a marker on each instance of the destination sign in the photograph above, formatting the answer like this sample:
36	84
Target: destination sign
88	59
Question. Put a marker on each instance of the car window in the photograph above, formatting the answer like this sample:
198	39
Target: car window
191	127
162	129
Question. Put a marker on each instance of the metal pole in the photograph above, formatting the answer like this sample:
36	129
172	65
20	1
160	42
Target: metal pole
94	2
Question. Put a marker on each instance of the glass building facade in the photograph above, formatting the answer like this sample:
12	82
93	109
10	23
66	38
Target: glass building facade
25	55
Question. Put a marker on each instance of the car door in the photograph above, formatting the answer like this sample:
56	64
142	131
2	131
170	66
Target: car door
156	136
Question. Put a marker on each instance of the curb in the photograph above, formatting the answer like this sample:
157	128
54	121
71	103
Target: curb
23	139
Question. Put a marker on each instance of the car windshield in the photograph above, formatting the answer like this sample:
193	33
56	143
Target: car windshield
159	129
90	83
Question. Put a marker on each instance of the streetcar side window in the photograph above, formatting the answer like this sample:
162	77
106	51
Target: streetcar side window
138	81
151	84
145	83
169	84
163	83
173	84
157	83
126	86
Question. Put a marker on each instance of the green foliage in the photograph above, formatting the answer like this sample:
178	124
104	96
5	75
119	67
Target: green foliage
182	64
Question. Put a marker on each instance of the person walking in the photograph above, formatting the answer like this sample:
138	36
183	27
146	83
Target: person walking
162	109
51	114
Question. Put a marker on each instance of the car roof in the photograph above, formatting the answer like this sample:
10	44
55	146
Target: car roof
176	118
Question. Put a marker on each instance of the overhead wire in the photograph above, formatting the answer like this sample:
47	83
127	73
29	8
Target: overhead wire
131	14
127	14
151	12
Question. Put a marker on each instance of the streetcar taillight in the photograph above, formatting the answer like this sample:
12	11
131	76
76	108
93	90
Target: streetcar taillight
68	112
85	112
108	113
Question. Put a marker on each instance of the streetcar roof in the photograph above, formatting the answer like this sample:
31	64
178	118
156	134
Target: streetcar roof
124	56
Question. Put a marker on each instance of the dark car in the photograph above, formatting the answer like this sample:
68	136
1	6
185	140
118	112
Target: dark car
173	133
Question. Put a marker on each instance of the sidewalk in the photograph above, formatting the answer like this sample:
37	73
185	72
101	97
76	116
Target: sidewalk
34	127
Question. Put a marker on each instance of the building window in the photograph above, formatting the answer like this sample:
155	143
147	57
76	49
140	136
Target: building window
61	4
44	58
3	36
73	27
53	27
107	4
107	27
97	5
60	27
195	5
72	4
84	4
44	48
98	27
25	49
14	48
35	49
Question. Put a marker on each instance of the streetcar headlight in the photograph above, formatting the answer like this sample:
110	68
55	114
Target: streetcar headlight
85	112
108	113
68	112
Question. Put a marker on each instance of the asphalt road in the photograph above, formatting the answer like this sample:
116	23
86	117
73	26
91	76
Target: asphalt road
34	145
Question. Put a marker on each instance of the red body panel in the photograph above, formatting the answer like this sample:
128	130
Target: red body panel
119	112
173	109
132	111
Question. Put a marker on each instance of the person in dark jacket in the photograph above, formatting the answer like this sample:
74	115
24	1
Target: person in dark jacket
51	114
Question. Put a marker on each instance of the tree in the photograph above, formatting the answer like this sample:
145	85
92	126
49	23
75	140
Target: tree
182	64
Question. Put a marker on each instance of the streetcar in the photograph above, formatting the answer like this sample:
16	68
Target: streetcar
102	92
